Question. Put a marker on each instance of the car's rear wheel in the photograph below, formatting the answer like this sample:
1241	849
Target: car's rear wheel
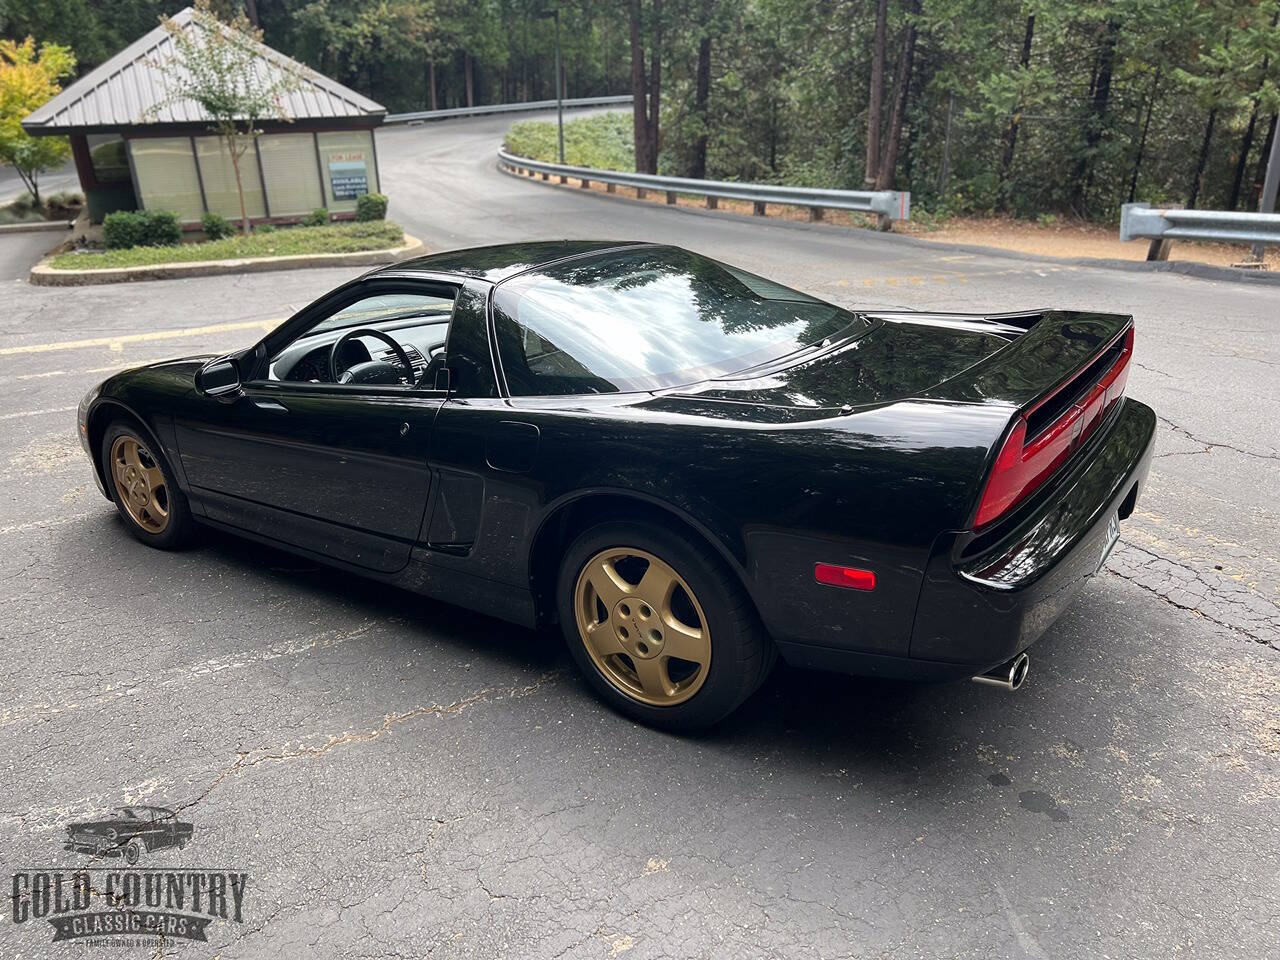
141	483
662	631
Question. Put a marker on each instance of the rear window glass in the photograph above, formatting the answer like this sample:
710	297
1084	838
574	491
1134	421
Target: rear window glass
647	319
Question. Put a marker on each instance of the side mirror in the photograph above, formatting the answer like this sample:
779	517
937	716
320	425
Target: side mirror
219	379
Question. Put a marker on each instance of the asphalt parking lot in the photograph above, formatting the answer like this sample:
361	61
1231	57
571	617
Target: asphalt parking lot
402	778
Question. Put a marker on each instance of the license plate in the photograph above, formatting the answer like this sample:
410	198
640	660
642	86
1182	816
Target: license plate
1113	534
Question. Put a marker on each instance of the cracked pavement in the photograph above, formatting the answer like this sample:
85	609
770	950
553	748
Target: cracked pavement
403	778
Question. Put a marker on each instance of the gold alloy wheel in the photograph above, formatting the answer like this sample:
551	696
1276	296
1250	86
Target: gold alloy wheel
642	626
140	484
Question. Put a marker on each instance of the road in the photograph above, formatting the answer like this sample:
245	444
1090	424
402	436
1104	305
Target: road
400	777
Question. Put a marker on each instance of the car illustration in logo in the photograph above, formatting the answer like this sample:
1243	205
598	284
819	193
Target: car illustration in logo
129	832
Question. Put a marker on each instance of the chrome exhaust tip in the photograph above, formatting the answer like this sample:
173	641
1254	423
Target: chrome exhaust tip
1011	674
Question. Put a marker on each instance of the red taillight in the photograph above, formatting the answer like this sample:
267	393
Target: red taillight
851	577
1022	466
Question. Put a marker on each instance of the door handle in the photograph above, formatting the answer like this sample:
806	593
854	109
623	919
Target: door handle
271	405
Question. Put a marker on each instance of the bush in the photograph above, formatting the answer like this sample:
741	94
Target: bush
371	206
65	205
216	226
316	218
141	228
265	228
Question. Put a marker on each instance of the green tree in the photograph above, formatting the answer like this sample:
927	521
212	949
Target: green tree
29	77
215	66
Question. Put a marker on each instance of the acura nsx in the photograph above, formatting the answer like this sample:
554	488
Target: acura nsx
690	469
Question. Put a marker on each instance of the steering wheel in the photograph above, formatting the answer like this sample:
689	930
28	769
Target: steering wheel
336	349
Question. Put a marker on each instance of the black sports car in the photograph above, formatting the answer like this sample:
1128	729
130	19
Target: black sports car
690	468
128	832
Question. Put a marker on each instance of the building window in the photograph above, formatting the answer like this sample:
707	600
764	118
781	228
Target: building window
166	173
289	168
347	167
108	158
219	178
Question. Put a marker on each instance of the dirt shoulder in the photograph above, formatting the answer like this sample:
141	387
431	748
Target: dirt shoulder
1072	239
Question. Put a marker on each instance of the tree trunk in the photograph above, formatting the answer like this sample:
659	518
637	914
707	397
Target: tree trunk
655	87
901	84
1011	133
1101	100
468	72
1246	146
235	167
1142	140
251	11
701	93
1247	143
875	103
1260	172
639	90
431	85
1197	179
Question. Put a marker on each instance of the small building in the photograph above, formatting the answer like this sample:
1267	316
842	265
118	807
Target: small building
131	155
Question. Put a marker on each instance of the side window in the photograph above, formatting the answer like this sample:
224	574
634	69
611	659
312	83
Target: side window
390	337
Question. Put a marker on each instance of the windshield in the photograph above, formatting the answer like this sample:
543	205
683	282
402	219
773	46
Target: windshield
646	319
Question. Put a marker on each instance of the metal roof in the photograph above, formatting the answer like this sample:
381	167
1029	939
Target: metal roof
127	89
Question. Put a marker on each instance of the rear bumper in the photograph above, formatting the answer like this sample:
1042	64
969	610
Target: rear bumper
982	603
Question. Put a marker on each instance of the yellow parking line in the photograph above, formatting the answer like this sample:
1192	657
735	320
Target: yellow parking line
35	413
117	342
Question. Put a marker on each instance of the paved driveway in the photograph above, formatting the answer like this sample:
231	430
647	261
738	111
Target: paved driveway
399	777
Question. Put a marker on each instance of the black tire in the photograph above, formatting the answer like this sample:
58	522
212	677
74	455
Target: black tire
179	531
132	852
742	654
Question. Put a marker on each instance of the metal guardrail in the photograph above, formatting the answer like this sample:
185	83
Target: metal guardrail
528	105
1164	225
886	205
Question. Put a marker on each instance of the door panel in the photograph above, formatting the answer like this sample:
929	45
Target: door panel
338	472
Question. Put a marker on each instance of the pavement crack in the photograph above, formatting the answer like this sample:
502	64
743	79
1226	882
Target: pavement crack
252	758
1213	444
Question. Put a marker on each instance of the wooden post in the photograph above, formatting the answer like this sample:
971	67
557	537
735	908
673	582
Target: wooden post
758	208
641	193
671	198
611	187
546	176
585	184
563	178
1159	249
713	203
815	214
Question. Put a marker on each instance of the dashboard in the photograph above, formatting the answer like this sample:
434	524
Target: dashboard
306	360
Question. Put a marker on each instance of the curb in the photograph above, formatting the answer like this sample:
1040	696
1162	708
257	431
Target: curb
36	226
45	276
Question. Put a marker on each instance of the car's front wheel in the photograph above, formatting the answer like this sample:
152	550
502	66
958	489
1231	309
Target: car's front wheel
142	485
661	629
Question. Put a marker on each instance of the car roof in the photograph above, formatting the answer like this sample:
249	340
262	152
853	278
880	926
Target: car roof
497	263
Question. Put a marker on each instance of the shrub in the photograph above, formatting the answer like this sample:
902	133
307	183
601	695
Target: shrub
371	206
162	229
265	228
316	218
141	228
25	203
216	226
122	229
65	205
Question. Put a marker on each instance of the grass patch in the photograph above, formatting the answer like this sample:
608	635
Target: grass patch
603	141
336	238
